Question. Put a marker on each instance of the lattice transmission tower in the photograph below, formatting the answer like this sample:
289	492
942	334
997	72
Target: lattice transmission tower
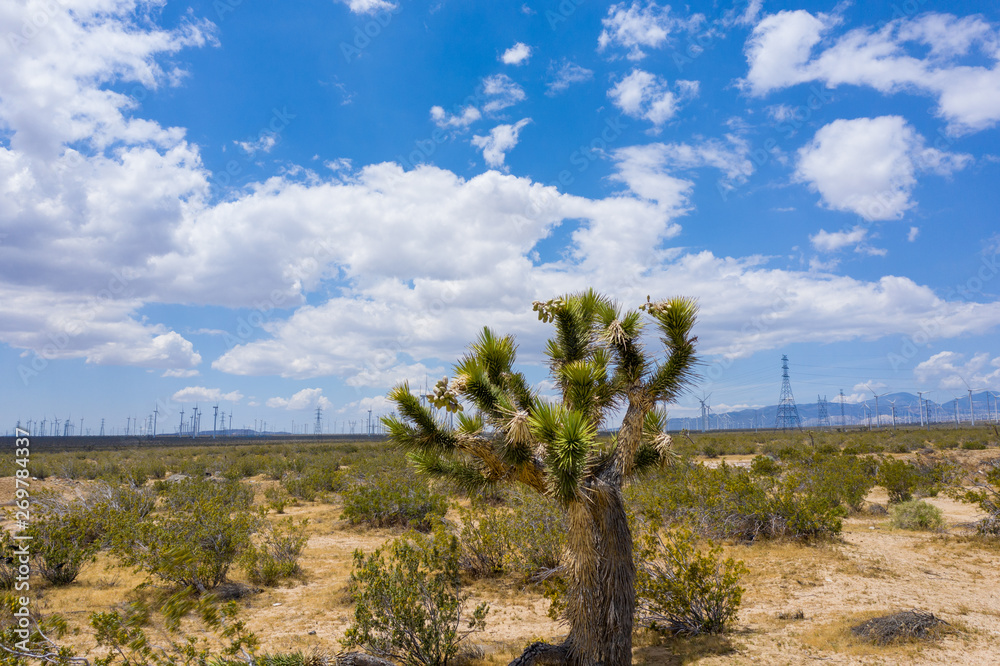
824	413
319	421
788	413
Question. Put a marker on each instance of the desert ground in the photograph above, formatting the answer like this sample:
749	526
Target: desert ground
870	569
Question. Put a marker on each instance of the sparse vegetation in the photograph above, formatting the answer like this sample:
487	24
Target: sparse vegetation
203	528
916	515
409	601
683	590
812	478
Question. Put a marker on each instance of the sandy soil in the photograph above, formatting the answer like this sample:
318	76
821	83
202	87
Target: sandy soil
872	569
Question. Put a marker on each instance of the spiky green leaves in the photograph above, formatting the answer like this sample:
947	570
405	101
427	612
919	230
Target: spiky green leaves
656	448
417	428
675	318
568	437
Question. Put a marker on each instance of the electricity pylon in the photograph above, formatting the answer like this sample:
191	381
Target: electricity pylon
788	414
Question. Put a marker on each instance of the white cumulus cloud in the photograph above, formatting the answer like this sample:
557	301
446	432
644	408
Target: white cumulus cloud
203	394
309	398
517	54
793	47
869	166
641	94
500	141
637	27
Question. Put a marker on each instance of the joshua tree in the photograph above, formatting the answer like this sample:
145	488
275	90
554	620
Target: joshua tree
511	434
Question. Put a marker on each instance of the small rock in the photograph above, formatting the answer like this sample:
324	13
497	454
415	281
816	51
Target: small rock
277	604
312	632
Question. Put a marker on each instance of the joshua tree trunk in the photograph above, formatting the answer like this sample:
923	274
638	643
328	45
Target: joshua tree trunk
602	582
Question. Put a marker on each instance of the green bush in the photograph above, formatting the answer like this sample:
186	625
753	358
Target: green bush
764	466
313	482
537	533
485	540
917	515
122	632
898	478
681	590
275	555
59	547
393	498
277	499
732	503
933	475
841	480
409	601
525	534
204	527
986	494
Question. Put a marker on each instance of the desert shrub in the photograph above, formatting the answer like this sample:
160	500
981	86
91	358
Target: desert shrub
841	480
275	555
246	465
986	494
681	590
538	533
393	498
203	529
313	482
898	478
764	466
122	632
931	475
77	468
59	546
525	534
732	503
409	601
917	515
277	499
276	467
973	446
485	540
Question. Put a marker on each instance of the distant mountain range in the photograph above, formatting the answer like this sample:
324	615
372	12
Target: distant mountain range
906	406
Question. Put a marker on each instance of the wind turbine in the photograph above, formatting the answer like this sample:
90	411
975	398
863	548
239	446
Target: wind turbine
972	410
704	411
878	417
957	398
920	402
893	403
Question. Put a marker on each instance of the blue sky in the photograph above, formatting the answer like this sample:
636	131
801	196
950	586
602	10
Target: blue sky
278	206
